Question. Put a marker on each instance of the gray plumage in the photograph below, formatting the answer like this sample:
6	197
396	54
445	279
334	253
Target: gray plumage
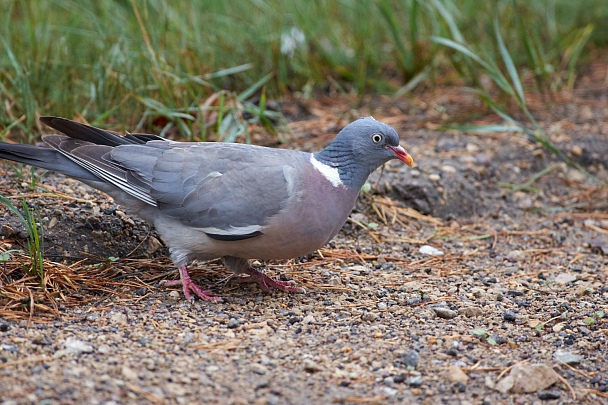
212	200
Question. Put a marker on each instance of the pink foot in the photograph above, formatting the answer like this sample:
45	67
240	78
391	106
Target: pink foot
188	285
268	283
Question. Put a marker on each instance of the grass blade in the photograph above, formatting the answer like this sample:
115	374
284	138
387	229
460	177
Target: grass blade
510	66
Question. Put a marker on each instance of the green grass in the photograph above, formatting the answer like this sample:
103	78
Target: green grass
35	241
116	61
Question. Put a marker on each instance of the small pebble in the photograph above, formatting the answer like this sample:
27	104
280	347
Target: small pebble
411	359
391	392
382	306
460	386
311	366
567	357
415	381
509	316
448	169
430	250
308	319
548	395
565	278
39	340
73	345
370	316
399	378
233	323
445	313
470	312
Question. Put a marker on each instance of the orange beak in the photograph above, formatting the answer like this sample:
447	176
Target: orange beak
402	155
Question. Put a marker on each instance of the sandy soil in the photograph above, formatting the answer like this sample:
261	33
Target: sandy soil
511	312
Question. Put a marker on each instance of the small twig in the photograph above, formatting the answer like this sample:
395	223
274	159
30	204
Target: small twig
147	395
481	369
23	361
563	380
598	393
576	258
573	369
434	301
494	234
230	344
597	228
362	400
354	221
506	370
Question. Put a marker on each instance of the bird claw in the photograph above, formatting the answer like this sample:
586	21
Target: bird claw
268	283
188	285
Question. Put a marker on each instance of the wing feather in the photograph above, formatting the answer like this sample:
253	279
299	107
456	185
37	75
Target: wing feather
228	191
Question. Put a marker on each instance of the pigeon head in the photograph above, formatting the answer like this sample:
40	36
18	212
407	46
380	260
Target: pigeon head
360	148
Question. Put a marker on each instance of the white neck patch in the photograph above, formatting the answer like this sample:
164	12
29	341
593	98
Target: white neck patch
330	173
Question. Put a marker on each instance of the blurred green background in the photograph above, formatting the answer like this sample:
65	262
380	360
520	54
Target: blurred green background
159	63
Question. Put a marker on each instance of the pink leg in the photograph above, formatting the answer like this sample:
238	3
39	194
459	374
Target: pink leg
188	285
268	283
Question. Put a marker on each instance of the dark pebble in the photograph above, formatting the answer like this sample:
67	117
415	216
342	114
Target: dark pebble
399	378
452	352
293	320
509	316
233	323
141	292
546	395
411	359
515	293
577	269
3	327
459	387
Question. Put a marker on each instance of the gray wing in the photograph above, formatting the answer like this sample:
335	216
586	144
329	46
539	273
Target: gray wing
228	191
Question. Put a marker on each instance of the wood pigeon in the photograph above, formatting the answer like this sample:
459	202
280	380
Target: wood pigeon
210	200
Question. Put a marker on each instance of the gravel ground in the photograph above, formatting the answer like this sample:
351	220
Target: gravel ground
505	306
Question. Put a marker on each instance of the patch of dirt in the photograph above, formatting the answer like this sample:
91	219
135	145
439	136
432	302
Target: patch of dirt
519	293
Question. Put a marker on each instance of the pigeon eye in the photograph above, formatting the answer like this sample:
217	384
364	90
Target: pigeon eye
376	138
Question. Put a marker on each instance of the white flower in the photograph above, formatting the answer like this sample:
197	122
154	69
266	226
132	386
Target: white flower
292	40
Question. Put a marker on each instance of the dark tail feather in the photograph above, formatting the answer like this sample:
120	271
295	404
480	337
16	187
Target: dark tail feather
44	158
87	133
